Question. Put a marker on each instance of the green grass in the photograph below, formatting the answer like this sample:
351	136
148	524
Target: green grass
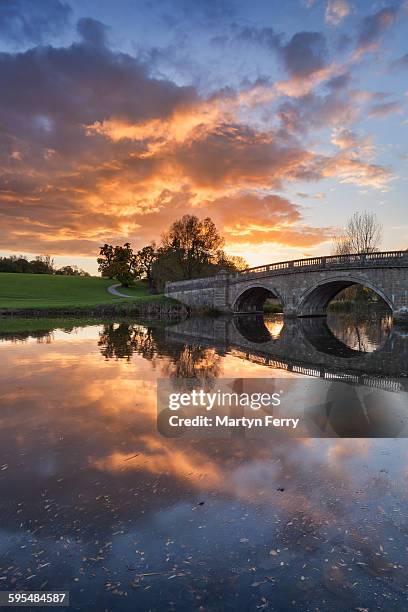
272	309
45	291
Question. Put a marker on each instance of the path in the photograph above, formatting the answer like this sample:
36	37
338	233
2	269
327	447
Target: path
113	291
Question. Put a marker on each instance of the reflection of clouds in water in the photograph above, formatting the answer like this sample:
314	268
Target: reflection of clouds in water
109	409
161	457
274	325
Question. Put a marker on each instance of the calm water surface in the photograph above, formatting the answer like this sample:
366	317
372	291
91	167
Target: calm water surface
95	501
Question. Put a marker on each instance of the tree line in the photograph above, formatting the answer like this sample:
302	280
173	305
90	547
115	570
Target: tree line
42	264
190	248
193	248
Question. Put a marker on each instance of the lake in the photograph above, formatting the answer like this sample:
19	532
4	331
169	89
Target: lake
95	501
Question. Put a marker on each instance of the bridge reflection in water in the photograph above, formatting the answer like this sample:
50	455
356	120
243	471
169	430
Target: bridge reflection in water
373	354
368	355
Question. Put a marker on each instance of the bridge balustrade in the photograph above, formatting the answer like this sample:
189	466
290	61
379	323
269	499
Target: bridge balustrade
332	261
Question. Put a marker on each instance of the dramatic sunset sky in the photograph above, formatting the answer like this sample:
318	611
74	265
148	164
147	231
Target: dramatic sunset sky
278	119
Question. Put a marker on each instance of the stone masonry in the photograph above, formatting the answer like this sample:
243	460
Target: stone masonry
304	287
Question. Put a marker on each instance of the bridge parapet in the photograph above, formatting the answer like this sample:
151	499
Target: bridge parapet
196	284
332	262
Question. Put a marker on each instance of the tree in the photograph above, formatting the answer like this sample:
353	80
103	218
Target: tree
118	262
15	264
71	271
363	234
193	243
106	253
230	263
340	245
190	249
42	264
145	259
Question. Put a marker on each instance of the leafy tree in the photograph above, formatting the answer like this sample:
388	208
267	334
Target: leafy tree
191	249
71	271
166	268
43	264
229	263
193	243
15	264
145	259
118	262
105	260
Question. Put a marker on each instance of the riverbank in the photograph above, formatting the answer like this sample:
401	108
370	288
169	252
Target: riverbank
42	295
355	306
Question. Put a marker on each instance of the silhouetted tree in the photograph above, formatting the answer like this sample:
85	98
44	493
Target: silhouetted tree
193	243
43	264
118	262
71	271
106	253
192	248
145	259
230	263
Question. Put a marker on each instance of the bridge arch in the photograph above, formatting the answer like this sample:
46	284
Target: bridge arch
315	300
252	298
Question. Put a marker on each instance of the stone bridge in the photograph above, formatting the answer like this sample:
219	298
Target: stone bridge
303	286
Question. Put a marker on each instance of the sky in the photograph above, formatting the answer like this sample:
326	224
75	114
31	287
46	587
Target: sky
277	119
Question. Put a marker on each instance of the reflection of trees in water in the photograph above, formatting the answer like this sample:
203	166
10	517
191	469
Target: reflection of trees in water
200	365
123	340
360	332
19	337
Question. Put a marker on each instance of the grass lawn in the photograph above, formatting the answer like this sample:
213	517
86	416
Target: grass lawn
48	291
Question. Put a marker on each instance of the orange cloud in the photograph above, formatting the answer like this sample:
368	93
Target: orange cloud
83	169
347	169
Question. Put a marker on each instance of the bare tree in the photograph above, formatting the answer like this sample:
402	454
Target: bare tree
363	234
340	244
